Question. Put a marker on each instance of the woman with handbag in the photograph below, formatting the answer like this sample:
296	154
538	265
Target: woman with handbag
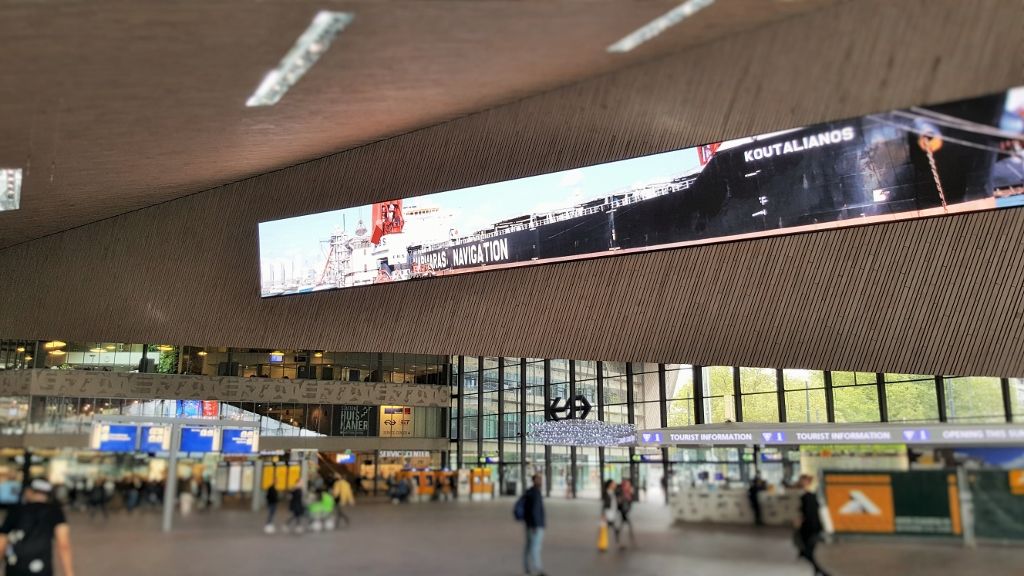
609	515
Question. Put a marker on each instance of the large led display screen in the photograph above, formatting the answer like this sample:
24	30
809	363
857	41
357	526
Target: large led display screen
920	162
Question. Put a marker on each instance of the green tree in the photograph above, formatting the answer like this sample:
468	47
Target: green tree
168	362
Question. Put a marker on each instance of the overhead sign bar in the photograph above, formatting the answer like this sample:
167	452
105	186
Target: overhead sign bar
796	434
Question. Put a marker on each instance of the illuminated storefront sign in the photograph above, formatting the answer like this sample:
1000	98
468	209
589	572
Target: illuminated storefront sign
928	161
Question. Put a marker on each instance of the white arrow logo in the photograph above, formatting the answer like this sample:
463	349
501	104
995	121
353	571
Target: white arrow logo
647	437
909	434
860	504
767	436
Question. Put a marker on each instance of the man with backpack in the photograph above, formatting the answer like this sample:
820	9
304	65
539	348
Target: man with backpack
29	531
530	510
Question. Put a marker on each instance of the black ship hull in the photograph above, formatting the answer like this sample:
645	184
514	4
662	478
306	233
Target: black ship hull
828	175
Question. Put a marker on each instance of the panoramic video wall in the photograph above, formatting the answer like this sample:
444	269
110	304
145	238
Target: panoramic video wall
919	162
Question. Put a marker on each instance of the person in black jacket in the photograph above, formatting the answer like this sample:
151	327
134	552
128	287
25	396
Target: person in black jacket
297	506
535	523
272	499
29	532
757	485
810	524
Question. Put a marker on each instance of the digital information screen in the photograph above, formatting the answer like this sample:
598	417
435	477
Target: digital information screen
114	437
199	439
920	162
240	441
155	439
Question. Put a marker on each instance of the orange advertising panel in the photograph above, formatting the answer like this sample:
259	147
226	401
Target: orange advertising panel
860	503
1017	482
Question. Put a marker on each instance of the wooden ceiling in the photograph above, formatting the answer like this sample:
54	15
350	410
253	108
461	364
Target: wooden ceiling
114	105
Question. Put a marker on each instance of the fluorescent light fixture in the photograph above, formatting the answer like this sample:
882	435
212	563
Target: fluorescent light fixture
10	188
660	24
306	51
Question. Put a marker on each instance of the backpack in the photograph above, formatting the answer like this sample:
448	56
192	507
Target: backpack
519	510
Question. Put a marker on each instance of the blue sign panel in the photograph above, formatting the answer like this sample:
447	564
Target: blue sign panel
199	439
240	441
155	439
115	437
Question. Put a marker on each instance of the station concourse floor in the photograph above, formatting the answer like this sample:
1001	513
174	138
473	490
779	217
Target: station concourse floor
483	539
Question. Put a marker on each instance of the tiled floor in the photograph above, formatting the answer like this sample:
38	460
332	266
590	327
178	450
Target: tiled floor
482	539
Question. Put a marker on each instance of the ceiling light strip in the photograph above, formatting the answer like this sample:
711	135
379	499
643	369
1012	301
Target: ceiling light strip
659	25
10	188
296	63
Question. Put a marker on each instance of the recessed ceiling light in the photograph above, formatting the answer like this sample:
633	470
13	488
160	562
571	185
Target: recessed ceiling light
306	51
10	189
659	25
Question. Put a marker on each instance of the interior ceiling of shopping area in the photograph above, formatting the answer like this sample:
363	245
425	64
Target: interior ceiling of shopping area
112	106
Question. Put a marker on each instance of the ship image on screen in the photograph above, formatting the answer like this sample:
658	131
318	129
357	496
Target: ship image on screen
919	162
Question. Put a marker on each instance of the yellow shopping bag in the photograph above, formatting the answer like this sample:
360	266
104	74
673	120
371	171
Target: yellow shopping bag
602	537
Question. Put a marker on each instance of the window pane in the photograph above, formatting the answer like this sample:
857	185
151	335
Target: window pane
806	405
756	380
719	409
974	399
856	404
679	383
1017	398
614	390
647	415
852	378
912	400
680	412
586	370
559	370
588	388
761	407
718	381
801	379
645	386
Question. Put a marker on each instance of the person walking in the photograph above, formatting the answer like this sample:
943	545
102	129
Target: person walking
297	507
757	485
626	496
343	496
29	532
610	509
533	517
272	499
98	499
809	525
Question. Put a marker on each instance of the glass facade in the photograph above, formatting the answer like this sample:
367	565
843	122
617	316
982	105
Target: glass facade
661	395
